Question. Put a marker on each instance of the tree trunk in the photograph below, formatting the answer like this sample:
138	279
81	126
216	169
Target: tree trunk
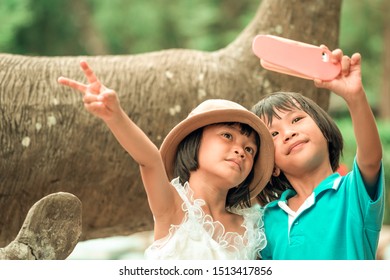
49	143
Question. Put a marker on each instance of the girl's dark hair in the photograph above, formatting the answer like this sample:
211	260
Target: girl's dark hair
285	101
187	161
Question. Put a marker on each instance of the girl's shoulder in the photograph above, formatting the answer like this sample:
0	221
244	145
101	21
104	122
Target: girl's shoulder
185	192
253	216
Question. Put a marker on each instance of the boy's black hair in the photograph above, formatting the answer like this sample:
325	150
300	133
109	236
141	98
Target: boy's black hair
284	101
187	161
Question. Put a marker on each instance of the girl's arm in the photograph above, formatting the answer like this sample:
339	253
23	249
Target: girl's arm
349	86
104	103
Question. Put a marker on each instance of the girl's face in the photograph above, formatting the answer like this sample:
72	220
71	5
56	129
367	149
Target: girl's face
300	146
226	155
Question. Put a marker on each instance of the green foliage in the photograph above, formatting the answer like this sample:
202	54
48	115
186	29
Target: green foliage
144	26
93	27
14	14
350	151
40	27
130	26
362	31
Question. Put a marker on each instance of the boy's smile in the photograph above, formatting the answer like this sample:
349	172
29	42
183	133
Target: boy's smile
296	146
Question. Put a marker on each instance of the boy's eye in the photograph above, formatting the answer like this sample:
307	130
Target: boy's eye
297	119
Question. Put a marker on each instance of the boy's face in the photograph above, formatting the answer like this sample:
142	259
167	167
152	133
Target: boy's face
300	145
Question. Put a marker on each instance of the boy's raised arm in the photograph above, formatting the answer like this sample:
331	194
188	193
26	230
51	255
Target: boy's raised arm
349	86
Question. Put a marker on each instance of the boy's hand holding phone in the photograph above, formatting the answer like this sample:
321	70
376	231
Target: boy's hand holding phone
295	58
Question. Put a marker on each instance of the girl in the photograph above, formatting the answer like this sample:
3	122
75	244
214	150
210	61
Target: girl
319	214
201	182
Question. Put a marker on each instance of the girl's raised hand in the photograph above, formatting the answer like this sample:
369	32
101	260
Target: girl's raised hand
98	100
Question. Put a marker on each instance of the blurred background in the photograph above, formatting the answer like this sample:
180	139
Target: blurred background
110	27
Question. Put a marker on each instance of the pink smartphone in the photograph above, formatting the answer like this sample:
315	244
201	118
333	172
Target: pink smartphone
295	58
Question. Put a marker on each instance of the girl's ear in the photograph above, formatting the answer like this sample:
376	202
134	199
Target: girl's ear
276	172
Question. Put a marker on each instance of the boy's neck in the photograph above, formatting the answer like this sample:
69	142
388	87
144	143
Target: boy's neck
306	183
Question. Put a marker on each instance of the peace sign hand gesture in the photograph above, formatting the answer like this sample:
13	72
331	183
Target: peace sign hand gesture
98	99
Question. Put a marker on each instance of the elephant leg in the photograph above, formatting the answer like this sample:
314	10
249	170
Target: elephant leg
50	231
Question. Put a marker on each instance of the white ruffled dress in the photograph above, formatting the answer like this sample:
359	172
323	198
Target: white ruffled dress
200	237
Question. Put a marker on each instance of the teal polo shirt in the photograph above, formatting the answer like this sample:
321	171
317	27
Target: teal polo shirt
339	221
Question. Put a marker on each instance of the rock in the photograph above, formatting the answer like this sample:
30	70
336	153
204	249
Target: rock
50	231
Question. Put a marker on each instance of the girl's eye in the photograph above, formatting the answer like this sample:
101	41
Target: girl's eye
227	135
273	134
250	150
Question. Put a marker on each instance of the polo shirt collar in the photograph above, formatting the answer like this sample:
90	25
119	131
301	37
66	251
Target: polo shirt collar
330	182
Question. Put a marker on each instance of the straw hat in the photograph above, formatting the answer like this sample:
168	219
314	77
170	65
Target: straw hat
216	111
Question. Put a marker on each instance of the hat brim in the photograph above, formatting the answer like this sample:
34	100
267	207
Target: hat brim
265	162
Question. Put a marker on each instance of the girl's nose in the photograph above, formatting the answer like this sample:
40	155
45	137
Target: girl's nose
240	152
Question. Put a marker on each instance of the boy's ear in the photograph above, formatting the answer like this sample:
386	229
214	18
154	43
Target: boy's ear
276	172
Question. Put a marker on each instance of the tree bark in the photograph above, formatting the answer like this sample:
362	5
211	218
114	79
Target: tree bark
49	143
